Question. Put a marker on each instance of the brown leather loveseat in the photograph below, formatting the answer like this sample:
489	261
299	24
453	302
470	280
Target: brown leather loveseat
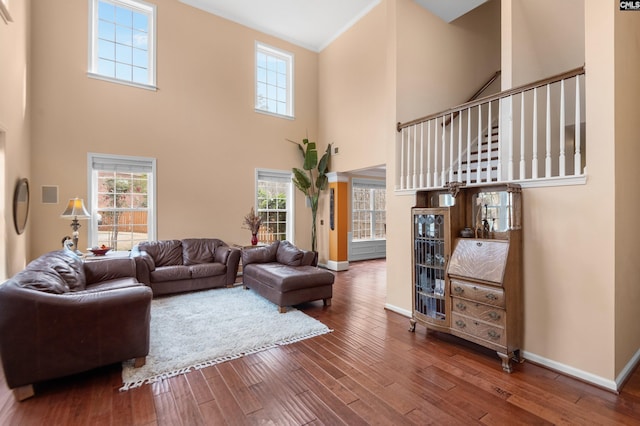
174	266
286	275
62	316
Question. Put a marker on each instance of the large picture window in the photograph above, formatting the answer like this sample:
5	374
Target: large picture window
274	201
369	221
122	41
122	194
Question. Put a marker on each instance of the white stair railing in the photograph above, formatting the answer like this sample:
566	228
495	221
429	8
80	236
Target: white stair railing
476	143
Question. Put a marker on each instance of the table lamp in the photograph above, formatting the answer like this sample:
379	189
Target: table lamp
75	210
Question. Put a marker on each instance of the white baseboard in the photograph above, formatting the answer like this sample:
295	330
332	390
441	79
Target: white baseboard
565	369
628	369
608	384
337	266
397	310
571	371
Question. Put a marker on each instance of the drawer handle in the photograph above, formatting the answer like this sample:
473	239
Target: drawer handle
479	243
458	289
461	324
461	306
491	296
494	315
492	334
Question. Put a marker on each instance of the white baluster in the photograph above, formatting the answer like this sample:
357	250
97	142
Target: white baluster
459	146
489	137
415	156
468	146
429	154
443	172
451	149
522	161
501	136
577	159
402	182
435	154
478	160
547	162
534	160
510	142
422	155
562	130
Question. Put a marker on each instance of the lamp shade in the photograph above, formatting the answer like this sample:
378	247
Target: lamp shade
75	209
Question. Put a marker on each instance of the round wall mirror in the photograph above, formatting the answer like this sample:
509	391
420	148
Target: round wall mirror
21	205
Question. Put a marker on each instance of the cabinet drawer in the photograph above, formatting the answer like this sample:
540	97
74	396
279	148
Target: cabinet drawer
479	329
478	292
488	313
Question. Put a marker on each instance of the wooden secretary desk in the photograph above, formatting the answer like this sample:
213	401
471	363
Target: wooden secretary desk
467	265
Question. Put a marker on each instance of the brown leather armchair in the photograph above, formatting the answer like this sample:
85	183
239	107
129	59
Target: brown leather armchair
61	316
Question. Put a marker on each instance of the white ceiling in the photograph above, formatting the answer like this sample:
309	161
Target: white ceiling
314	24
450	10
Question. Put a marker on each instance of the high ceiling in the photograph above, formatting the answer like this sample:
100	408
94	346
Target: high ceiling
313	24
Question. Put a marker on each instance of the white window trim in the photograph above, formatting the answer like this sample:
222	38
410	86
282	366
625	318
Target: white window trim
290	198
140	6
289	57
93	189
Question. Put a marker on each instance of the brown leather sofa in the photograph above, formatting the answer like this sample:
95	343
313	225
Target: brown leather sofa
174	266
61	316
286	275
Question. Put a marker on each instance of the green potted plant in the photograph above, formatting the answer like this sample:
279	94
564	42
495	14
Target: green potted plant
312	179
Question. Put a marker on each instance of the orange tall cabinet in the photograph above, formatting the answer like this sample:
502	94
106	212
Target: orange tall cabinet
338	222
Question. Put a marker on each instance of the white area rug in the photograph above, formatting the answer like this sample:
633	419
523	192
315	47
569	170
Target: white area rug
199	329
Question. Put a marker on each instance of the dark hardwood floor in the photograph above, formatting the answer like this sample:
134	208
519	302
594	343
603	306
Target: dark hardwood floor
369	370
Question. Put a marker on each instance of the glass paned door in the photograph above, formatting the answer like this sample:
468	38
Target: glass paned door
429	231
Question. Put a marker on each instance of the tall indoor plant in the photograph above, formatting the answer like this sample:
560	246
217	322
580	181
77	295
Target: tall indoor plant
312	179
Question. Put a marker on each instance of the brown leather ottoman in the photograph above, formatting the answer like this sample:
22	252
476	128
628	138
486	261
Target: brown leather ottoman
285	284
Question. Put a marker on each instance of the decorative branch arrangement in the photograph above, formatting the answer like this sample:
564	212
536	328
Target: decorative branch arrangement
252	222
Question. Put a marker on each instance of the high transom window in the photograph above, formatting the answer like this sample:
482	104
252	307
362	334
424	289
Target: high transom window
122	41
274	81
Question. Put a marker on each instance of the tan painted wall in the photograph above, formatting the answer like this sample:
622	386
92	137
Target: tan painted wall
442	65
560	285
568	250
627	175
353	112
15	111
200	125
547	38
439	65
352	96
